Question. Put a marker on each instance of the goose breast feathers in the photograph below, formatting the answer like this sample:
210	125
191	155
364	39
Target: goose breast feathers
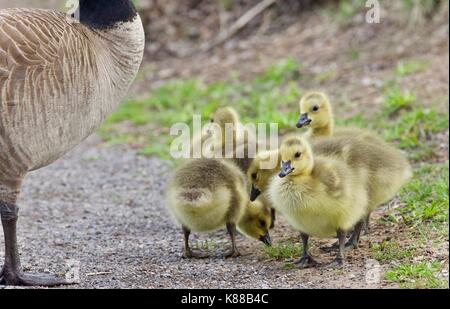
58	81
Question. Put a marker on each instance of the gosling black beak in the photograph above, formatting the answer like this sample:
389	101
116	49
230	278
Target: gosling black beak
254	193
266	239
286	169
303	120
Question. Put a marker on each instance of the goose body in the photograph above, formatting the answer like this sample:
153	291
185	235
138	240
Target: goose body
59	79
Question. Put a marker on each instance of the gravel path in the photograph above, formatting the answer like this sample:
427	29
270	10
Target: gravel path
104	208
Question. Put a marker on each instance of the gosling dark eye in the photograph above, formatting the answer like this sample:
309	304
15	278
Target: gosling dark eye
297	154
254	176
315	108
211	120
262	223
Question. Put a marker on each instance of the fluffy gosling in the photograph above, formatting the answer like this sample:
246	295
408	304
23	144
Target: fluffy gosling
206	194
319	195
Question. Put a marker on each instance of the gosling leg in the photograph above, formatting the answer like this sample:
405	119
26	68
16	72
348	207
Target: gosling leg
367	225
273	218
305	260
12	272
234	252
187	252
353	242
338	262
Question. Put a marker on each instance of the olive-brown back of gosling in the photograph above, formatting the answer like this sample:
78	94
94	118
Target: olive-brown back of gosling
386	169
319	195
206	194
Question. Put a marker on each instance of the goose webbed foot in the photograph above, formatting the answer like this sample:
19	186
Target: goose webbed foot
19	278
11	273
306	261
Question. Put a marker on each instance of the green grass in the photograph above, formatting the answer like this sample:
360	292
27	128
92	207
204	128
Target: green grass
425	197
410	67
425	211
389	250
205	245
283	251
347	9
404	122
146	122
421	275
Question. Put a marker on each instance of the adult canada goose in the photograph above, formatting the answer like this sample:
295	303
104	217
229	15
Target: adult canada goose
59	79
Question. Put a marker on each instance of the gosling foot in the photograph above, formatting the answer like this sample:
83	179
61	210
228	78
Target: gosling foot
351	245
331	248
19	278
234	253
306	261
188	254
337	263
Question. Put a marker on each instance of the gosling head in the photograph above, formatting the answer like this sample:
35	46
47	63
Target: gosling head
263	166
296	157
315	111
222	120
224	115
256	222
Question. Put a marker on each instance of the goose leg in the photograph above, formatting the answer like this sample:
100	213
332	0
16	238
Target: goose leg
234	252
12	273
305	260
352	243
338	262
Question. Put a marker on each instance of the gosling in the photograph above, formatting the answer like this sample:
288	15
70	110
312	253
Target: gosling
319	195
206	194
316	113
